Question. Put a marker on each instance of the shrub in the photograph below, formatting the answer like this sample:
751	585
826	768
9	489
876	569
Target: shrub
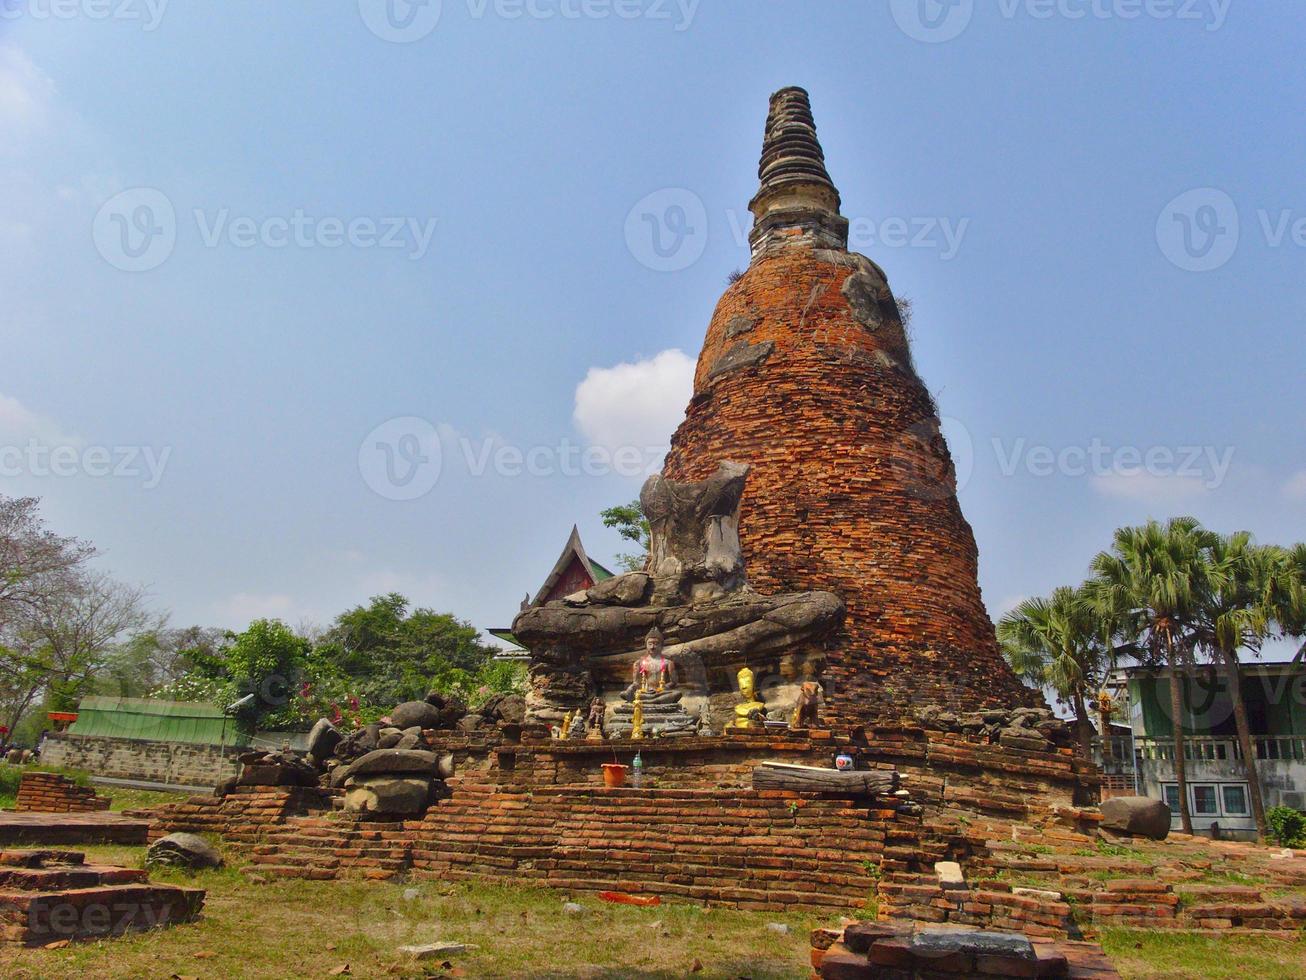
1288	826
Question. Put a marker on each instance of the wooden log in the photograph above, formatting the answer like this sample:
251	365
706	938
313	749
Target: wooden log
813	779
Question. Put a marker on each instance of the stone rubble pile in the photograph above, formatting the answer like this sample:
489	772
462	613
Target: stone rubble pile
1029	729
384	768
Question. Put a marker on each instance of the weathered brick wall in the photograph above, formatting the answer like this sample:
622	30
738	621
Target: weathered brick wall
851	488
178	763
766	850
48	792
941	770
245	815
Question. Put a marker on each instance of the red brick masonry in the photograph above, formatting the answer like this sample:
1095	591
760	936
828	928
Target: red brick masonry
48	792
852	487
49	896
883	951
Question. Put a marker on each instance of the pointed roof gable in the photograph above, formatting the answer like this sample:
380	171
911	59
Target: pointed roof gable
573	552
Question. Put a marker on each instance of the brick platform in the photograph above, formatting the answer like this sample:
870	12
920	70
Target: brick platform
71	828
48	792
49	896
882	951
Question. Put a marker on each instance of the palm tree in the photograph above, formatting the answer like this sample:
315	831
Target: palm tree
1290	597
1151	584
1058	643
1238	613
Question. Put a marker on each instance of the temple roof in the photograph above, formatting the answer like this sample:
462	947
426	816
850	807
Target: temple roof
572	553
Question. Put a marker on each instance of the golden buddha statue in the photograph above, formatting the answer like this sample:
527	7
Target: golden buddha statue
637	717
750	713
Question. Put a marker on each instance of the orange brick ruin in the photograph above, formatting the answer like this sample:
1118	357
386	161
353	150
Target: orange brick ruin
806	374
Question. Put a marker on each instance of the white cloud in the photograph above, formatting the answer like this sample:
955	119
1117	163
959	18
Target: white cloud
637	404
1295	487
1149	487
19	425
25	92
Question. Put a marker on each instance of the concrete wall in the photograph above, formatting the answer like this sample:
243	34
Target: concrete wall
1283	783
179	763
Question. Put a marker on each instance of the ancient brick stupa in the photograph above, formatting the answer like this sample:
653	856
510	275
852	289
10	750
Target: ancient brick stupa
806	374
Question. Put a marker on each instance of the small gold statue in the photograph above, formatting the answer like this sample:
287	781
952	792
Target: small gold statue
566	725
637	716
750	713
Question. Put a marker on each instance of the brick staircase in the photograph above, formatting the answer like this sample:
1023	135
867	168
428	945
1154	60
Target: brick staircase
48	896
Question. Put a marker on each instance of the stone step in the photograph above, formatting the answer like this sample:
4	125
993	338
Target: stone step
37	918
50	879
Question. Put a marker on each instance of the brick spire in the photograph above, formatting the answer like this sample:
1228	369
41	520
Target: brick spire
806	375
796	195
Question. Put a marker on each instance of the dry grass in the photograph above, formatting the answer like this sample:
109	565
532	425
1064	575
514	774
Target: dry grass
308	929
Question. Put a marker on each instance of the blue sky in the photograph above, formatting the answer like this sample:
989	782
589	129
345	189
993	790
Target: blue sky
237	238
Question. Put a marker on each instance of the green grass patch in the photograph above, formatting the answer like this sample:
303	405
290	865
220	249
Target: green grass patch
1164	955
309	928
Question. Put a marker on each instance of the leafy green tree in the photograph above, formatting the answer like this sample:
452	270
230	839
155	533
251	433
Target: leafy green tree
1152	584
1060	642
632	525
395	655
267	661
157	657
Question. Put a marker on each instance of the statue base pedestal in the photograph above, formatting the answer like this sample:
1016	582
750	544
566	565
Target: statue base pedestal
660	721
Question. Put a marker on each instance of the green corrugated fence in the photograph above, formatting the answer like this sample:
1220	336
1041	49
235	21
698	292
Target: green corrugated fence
156	721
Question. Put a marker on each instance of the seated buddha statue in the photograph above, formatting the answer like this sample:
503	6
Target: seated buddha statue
653	676
750	713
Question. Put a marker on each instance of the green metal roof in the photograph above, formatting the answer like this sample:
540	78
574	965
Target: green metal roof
507	636
155	721
600	573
